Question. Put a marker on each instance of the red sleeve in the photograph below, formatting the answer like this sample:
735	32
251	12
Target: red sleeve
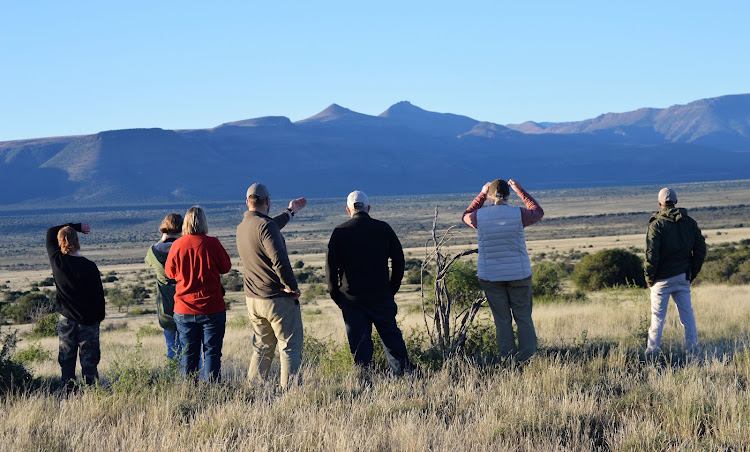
533	211
470	215
224	263
170	266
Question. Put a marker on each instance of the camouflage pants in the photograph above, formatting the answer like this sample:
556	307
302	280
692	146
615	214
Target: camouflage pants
74	337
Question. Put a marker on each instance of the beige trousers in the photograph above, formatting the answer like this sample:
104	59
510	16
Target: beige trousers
275	321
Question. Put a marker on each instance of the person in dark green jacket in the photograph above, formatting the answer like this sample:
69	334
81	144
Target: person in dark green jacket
675	250
171	229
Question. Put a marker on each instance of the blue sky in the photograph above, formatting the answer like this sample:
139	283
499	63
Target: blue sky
70	68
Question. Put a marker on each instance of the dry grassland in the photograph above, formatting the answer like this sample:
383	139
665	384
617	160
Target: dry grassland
587	389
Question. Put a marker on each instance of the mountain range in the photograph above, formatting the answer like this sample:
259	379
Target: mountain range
404	150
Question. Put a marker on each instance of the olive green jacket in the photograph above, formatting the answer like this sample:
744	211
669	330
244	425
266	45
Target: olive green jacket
674	245
165	287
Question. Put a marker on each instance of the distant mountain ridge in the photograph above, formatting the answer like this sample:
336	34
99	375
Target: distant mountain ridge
404	150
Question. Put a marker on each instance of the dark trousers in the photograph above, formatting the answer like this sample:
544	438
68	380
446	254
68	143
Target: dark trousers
359	320
74	337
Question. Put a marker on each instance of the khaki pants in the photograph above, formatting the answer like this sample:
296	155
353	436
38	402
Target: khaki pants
509	301
678	287
275	321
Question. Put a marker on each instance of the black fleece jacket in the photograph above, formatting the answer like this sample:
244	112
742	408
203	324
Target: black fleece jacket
357	261
80	296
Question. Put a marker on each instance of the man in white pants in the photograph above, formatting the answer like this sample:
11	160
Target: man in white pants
675	250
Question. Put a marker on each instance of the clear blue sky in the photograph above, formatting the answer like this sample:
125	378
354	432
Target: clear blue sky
80	67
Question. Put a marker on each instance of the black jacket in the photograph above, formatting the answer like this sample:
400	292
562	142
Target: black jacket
357	261
80	296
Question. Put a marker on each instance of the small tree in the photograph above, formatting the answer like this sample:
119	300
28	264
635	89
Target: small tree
546	279
453	299
119	299
609	268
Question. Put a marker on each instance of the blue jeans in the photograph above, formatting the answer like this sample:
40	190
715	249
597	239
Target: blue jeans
207	329
174	347
173	343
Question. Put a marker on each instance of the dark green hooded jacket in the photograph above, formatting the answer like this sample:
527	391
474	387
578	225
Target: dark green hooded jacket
156	257
674	245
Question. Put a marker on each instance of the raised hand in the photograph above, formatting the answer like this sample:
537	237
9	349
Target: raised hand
85	228
515	185
297	204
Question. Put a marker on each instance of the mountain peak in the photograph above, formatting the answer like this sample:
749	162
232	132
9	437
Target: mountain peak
335	112
401	108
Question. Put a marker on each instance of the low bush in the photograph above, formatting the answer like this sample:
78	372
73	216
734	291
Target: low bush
13	374
726	264
34	353
45	326
233	281
609	268
28	307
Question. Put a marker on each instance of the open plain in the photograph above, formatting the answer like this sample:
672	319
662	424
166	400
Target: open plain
587	389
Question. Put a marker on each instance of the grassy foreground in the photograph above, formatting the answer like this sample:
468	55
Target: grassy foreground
586	389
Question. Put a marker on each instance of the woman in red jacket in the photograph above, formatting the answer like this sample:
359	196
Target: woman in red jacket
196	261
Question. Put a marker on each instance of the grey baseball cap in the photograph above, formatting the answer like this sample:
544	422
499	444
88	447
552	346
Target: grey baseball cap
357	197
258	190
667	195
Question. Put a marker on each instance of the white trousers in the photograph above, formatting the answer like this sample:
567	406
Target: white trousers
679	288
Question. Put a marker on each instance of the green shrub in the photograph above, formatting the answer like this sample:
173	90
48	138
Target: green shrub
462	283
34	353
13	374
30	305
609	268
45	326
546	279
726	264
142	311
148	330
233	281
314	291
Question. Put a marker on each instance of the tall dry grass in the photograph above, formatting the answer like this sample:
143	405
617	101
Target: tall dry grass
587	389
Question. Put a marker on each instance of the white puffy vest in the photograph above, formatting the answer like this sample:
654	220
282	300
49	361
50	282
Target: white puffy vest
502	244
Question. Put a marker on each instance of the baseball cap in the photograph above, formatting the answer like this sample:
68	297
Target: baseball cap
357	197
667	195
258	190
498	189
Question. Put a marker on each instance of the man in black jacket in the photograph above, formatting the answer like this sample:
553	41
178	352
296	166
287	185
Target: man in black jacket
359	283
79	301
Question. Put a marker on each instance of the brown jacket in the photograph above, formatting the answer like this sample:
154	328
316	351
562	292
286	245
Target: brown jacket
265	261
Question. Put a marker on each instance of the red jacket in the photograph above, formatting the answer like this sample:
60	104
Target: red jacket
196	262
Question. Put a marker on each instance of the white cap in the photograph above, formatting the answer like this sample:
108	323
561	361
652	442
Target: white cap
667	195
357	197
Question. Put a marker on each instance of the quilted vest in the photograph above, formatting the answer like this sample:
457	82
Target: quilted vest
502	244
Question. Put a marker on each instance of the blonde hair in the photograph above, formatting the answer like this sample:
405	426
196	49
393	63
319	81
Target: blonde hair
67	238
172	224
195	222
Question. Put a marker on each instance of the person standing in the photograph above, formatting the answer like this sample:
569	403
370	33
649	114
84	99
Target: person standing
171	229
503	265
197	261
359	283
271	290
675	250
79	301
